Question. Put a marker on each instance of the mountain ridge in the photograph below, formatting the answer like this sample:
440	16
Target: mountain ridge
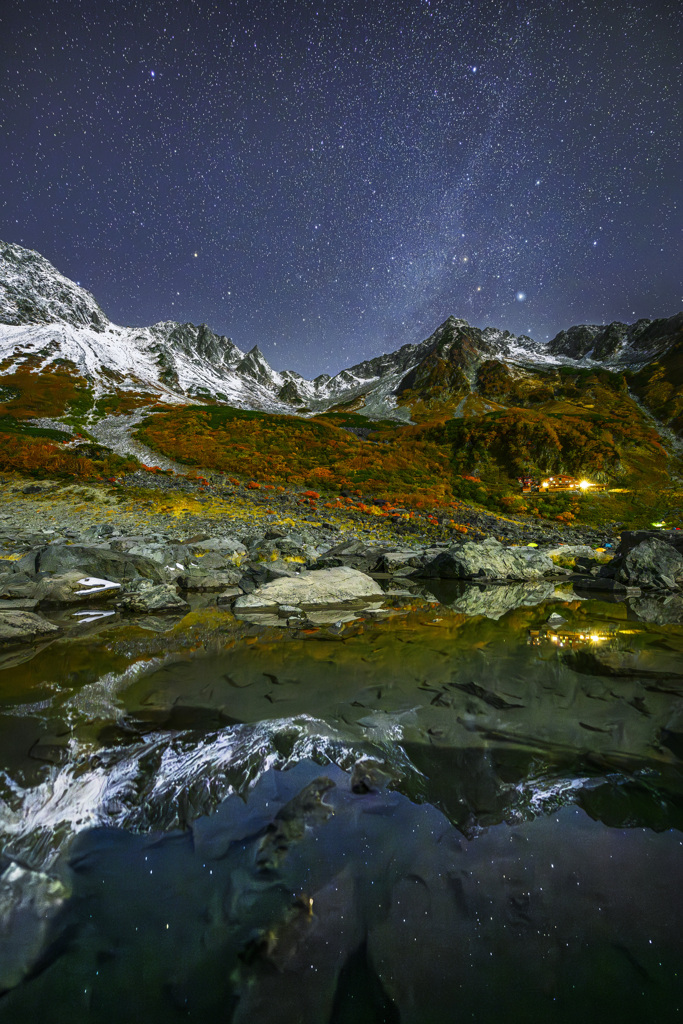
47	320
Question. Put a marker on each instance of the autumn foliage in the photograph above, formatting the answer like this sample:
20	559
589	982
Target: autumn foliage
37	456
394	461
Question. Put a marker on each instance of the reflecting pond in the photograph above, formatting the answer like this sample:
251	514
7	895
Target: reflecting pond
467	806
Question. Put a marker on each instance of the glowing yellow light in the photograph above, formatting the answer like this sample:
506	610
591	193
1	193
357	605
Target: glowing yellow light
595	638
584	484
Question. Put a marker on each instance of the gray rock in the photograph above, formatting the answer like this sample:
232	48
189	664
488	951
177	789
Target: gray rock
19	627
488	561
211	560
319	588
231	548
92	561
570	551
279	570
653	563
400	563
228	596
17	585
284	548
147	597
198	578
74	588
23	603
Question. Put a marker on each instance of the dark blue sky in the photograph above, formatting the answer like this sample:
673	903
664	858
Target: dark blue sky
332	180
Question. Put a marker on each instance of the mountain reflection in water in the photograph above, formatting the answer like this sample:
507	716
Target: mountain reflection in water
438	817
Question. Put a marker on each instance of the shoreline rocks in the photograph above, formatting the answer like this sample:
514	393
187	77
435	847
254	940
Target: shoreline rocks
247	565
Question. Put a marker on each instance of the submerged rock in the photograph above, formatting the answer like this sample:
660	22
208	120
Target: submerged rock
335	587
20	627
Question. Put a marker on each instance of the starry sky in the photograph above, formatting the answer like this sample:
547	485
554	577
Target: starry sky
330	180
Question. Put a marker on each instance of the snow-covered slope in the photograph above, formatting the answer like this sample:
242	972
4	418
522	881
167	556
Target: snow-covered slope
46	319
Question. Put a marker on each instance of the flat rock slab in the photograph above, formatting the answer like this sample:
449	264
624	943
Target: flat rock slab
19	627
336	587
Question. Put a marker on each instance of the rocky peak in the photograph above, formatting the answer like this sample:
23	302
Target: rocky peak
255	365
32	291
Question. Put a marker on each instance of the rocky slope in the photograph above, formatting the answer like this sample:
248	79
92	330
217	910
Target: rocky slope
47	321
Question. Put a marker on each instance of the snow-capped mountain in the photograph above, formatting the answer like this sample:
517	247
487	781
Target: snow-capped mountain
46	319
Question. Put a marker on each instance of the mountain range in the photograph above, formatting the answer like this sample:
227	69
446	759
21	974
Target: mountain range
49	322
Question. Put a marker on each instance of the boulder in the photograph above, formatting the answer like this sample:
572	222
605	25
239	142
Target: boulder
402	563
73	588
654	563
198	578
17	585
571	551
230	548
147	597
279	570
488	561
92	561
160	551
19	627
284	549
336	587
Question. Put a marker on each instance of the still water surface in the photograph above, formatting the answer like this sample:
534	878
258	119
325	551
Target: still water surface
435	817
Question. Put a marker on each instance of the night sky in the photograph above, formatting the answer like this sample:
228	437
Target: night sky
330	180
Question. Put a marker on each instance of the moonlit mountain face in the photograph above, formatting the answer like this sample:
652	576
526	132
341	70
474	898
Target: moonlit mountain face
46	319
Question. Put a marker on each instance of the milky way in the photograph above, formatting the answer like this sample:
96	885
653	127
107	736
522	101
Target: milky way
332	180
